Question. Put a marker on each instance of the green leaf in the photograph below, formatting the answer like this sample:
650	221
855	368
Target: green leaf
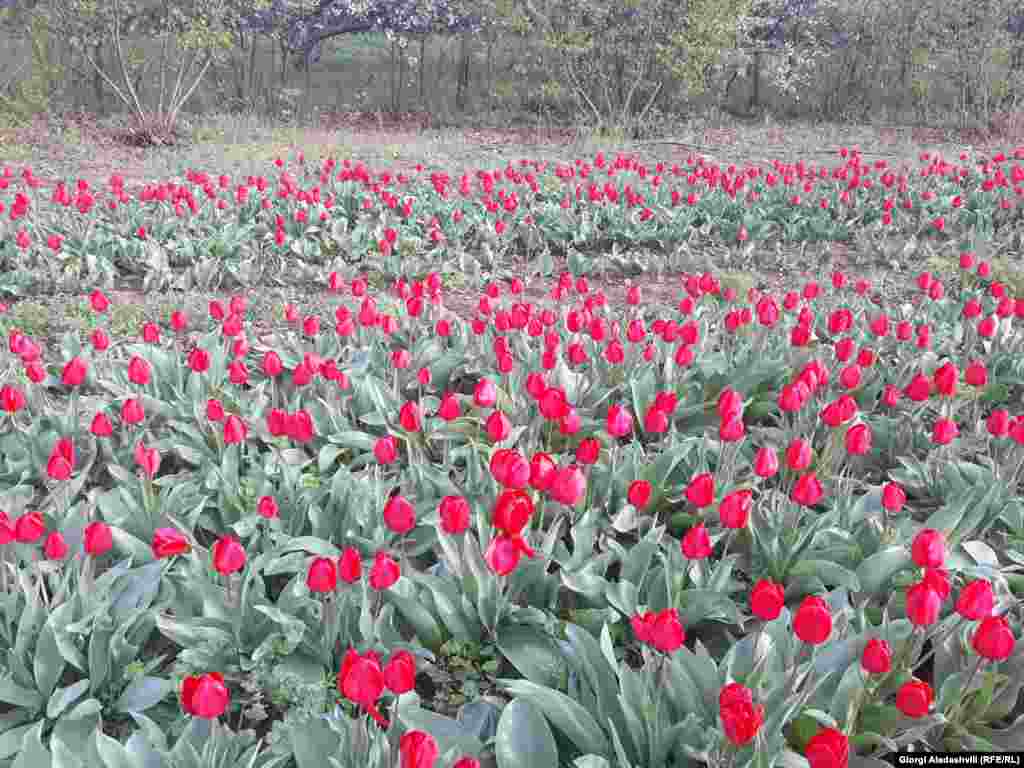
12	693
449	609
143	693
63	698
832	574
423	624
48	663
566	715
449	733
524	738
877	571
33	754
63	755
533	653
125	542
11	740
114	755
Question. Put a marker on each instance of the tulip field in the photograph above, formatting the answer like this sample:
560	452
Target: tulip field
564	522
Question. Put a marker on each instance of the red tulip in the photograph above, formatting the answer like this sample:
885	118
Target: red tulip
228	555
619	421
100	303
29	527
812	622
767	600
168	542
807	491
503	553
998	423
946	377
214	410
701	490
12	399
138	371
512	512
148	459
322	575
542	471
798	455
350	565
409	417
199	360
386	449
361	681
417	748
993	639
235	430
568	486
741	719
588	451
55	548
667	634
98	538
639	493
384	573
131	411
62	459
877	657
858	440
552	404
893	497
400	672
267	507
944	432
455	514
486	394
923	604
734	511
976	600
300	426
399	515
976	374
205	696
766	462
928	550
499	427
828	748
101	426
74	372
696	544
914	698
449	410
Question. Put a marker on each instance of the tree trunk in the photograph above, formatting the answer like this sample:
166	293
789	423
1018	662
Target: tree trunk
423	67
755	85
463	83
97	81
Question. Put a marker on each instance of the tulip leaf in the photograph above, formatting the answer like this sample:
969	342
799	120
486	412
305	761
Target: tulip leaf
33	754
524	738
875	573
62	698
830	573
48	663
419	618
532	652
12	693
143	693
447	732
114	755
566	714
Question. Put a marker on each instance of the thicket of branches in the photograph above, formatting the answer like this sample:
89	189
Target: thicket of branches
610	63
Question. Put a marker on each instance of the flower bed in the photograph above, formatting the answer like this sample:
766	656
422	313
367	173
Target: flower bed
765	529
